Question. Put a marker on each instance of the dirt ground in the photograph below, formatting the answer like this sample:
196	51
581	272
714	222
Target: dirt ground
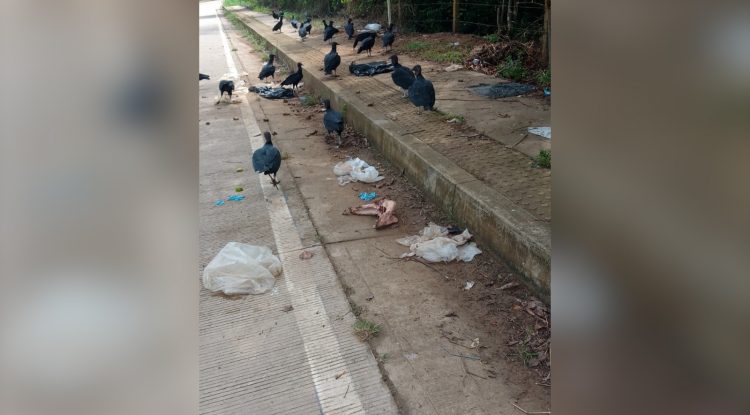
443	349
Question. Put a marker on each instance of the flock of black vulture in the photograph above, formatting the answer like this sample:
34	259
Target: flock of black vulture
419	90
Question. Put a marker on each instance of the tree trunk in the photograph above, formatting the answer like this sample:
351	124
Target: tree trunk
546	33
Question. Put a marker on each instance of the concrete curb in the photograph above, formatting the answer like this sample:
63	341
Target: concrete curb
495	220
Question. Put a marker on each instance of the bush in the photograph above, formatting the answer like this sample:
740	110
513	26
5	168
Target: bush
512	69
544	159
492	38
544	78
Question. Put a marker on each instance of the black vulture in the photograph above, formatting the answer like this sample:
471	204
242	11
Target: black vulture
294	22
202	76
333	121
267	160
294	78
362	36
367	45
421	91
308	25
278	24
268	69
332	60
401	75
349	29
388	37
226	86
274	14
302	31
329	30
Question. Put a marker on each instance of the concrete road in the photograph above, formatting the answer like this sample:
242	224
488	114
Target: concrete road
292	350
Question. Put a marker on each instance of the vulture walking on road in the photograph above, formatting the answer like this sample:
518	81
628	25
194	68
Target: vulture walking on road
308	25
333	121
268	69
329	30
401	75
278	24
226	86
276	15
367	45
388	37
332	60
294	78
349	29
421	91
267	160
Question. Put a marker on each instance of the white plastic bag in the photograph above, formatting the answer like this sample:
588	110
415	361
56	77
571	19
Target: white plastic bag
356	170
242	269
434	244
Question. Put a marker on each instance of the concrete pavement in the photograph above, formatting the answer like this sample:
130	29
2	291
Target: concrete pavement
290	351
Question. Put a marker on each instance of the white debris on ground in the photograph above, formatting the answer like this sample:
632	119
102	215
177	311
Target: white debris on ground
435	244
454	67
356	170
545	132
242	269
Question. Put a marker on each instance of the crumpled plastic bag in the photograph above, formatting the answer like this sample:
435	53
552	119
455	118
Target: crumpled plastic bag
242	269
435	244
370	69
269	92
356	170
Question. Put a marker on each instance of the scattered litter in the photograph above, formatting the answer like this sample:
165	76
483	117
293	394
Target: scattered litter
451	314
454	121
474	343
545	132
236	118
242	269
367	196
238	189
340	374
501	90
435	244
312	133
208	123
454	230
410	356
272	93
454	67
356	170
547	92
383	208
240	170
370	68
469	285
305	255
372	27
287	309
236	198
509	286
219	202
369	297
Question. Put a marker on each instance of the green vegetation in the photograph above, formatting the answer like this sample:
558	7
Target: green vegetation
512	69
436	51
544	78
525	353
492	38
366	330
447	116
259	44
250	4
544	159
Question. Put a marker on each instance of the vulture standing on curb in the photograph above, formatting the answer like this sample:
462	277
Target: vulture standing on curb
329	30
267	160
388	37
361	37
349	29
302	32
401	75
225	86
332	60
308	25
421	91
278	24
293	22
295	78
333	121
268	69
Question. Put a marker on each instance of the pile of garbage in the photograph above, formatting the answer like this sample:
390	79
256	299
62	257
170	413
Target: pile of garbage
437	243
242	269
501	89
356	170
269	92
486	57
370	69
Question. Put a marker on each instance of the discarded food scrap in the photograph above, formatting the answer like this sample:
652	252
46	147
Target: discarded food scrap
382	208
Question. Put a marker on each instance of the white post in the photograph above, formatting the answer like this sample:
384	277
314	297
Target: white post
389	11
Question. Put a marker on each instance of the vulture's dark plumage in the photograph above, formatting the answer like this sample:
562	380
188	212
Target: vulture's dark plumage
294	22
421	91
226	86
329	30
278	24
202	76
362	36
367	45
389	37
294	78
274	14
332	60
333	121
401	75
302	31
349	29
268	69
267	160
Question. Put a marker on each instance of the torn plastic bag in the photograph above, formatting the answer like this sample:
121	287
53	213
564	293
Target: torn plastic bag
435	244
242	269
356	170
272	93
370	69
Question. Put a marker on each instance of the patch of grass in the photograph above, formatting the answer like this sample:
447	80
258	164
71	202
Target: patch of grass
416	45
356	309
543	159
543	78
512	69
525	353
447	116
309	100
440	52
259	44
451	56
366	330
383	358
492	38
250	4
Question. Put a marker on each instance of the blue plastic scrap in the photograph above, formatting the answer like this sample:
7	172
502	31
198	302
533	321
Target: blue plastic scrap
236	198
219	203
367	196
